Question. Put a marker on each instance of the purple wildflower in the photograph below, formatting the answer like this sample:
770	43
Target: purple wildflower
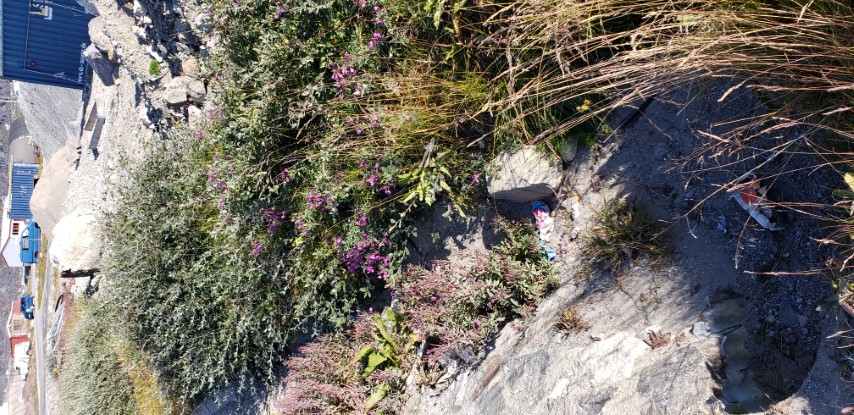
282	10
373	180
375	39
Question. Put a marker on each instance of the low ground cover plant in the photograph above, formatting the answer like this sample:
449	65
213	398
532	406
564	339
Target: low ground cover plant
450	310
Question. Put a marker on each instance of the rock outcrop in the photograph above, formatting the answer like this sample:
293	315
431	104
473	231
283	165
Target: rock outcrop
76	245
524	175
101	66
51	190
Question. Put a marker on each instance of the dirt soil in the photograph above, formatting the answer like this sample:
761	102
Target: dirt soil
662	161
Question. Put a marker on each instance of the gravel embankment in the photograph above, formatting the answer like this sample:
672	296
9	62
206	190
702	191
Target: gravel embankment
53	115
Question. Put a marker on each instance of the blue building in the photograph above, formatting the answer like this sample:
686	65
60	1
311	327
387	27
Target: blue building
23	183
16	211
43	42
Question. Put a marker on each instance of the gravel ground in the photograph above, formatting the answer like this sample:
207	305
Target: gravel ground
53	115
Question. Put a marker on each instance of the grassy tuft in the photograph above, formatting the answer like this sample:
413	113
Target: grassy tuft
571	321
621	235
154	67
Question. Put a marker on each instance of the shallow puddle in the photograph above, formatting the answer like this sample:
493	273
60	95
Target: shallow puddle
726	320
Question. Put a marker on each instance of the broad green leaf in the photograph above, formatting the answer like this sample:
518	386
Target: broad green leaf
363	353
375	360
377	396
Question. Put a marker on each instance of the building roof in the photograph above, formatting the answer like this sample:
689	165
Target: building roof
23	182
42	42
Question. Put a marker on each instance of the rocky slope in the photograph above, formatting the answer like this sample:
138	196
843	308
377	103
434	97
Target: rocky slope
734	341
149	78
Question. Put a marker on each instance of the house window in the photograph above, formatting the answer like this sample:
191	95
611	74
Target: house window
16	228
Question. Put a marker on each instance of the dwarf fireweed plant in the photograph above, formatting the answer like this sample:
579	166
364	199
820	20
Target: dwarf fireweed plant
453	307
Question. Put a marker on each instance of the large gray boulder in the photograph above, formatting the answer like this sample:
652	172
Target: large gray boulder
49	193
76	244
196	90
524	175
101	40
101	66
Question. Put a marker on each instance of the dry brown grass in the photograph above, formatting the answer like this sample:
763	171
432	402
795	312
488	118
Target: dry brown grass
571	321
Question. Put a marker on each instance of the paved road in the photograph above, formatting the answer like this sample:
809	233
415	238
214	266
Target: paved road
40	326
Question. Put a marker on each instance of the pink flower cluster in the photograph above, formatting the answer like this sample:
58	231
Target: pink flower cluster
378	15
375	39
365	256
343	74
273	218
279	12
284	175
315	200
374	178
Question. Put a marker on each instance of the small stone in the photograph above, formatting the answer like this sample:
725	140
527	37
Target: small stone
197	92
137	8
100	39
190	67
146	21
143	116
101	66
175	7
195	116
141	34
573	234
567	148
770	319
803	320
154	54
576	211
201	22
524	175
179	83
176	97
182	26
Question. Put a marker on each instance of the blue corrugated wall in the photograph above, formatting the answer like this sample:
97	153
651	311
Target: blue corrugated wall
23	175
43	41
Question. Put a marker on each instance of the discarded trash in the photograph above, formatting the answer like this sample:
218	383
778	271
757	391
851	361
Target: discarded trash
721	224
752	196
546	225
